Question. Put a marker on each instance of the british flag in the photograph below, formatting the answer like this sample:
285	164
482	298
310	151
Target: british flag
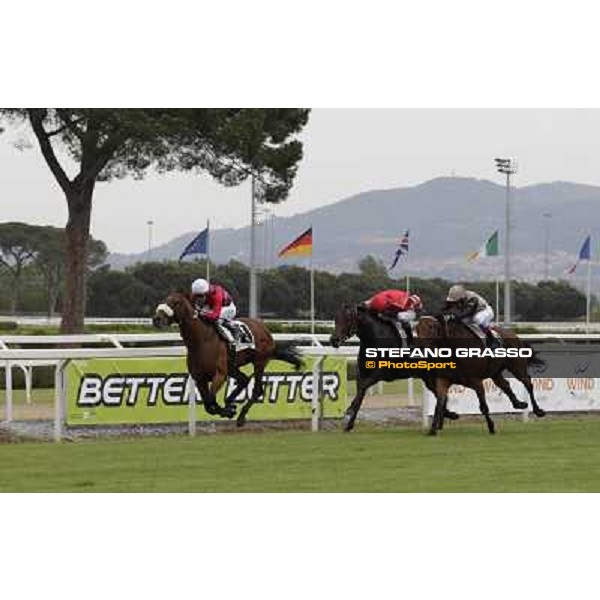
402	249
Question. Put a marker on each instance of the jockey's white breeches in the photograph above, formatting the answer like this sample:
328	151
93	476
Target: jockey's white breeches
228	312
483	318
406	316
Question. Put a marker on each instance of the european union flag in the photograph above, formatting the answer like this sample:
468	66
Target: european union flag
199	245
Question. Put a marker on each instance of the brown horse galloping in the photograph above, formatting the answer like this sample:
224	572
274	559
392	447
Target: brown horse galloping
207	358
471	372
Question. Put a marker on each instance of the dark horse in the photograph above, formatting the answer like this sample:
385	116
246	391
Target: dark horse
207	358
471	372
373	333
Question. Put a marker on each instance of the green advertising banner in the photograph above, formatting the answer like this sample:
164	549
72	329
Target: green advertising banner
153	390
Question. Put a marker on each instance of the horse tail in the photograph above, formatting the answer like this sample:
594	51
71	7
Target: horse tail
535	359
288	353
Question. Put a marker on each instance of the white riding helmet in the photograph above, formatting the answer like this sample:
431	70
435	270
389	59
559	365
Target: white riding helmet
456	293
200	286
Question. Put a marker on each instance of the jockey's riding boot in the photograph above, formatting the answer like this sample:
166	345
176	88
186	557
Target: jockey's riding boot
491	340
410	340
233	330
231	359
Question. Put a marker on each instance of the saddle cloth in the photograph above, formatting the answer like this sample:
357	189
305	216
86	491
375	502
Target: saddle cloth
476	330
397	326
242	339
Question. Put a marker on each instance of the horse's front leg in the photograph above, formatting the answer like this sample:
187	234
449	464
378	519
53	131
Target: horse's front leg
503	385
362	385
241	383
210	403
440	390
208	393
483	406
257	392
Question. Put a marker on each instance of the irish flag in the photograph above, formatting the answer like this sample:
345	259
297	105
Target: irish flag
301	246
490	248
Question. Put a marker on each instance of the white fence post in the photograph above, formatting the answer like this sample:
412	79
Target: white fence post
411	392
316	392
59	399
8	414
425	407
191	400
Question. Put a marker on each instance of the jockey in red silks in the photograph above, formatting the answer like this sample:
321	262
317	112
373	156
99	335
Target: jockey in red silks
213	301
400	305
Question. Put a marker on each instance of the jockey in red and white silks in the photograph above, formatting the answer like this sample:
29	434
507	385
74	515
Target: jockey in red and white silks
213	301
400	304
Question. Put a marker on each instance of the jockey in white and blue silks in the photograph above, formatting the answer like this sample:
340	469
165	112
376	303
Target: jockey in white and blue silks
470	308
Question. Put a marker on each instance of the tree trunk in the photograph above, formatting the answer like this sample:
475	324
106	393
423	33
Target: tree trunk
52	297
77	234
14	299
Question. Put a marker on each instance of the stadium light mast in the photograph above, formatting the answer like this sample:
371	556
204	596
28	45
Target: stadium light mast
547	217
508	167
149	223
253	300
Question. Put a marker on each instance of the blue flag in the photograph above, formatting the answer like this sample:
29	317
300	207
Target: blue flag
584	254
199	245
402	249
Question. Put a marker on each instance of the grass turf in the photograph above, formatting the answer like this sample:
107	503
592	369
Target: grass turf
554	455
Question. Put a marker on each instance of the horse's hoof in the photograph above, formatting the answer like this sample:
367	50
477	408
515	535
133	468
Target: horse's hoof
539	413
348	423
521	405
451	415
432	432
240	422
228	412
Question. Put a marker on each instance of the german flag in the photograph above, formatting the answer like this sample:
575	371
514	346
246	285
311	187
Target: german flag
301	246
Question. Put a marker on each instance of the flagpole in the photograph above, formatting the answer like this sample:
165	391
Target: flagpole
407	276
497	298
312	291
588	296
588	303
208	250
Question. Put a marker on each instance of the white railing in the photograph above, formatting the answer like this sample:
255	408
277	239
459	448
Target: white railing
115	340
545	326
58	357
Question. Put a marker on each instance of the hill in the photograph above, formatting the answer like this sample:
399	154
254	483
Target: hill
448	217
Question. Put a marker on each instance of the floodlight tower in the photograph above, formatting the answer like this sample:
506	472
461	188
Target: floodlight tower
508	167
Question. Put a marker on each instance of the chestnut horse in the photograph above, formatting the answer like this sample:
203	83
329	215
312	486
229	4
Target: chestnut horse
471	372
207	358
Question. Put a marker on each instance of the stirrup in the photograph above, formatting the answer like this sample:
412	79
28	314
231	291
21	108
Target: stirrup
492	342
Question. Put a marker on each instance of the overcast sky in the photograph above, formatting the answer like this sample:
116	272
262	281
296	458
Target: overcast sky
346	151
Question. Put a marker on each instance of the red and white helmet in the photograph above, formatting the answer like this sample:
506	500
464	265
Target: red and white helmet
416	301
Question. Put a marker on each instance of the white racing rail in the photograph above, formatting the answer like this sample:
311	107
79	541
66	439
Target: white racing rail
58	357
117	340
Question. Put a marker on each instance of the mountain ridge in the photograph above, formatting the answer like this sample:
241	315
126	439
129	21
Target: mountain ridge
449	217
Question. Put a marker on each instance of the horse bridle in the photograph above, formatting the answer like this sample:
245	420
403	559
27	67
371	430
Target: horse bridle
352	314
